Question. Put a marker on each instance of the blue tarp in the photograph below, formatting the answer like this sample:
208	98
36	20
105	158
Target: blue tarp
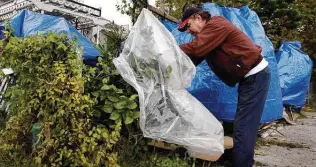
169	25
27	23
220	99
295	70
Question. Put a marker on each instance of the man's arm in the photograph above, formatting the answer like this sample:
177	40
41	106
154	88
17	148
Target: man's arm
210	37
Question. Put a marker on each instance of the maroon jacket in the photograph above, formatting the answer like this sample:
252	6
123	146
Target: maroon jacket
228	51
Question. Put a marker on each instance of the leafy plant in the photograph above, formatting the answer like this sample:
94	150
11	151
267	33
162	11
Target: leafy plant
111	102
73	127
148	69
114	97
114	38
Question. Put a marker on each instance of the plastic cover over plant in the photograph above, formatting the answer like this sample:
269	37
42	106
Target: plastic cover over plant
155	66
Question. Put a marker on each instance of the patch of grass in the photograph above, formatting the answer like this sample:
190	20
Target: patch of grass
301	115
257	163
286	144
310	108
139	154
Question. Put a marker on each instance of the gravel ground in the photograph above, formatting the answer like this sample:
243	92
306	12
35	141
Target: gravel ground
294	146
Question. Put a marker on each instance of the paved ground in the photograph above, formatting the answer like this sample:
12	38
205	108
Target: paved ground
294	147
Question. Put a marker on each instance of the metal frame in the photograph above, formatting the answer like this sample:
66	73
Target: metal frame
82	16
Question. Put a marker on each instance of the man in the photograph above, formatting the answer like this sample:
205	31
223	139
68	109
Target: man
234	58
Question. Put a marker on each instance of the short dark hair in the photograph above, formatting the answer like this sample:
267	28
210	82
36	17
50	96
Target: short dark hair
204	15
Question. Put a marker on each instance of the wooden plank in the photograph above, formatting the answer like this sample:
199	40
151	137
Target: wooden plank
228	144
163	14
207	157
161	144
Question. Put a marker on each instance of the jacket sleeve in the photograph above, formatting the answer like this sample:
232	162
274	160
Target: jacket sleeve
209	38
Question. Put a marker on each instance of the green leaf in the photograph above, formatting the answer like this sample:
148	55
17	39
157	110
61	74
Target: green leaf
108	108
107	102
82	107
132	106
128	120
84	149
103	97
121	111
114	116
169	69
136	114
96	93
118	121
119	91
133	97
105	81
112	141
105	135
113	98
113	87
42	60
124	98
38	160
120	105
97	113
105	87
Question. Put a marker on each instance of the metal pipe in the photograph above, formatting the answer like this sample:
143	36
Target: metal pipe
98	34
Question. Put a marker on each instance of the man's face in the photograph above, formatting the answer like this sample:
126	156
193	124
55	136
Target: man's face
195	25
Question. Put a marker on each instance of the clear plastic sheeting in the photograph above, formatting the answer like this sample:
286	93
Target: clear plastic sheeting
295	70
219	98
154	65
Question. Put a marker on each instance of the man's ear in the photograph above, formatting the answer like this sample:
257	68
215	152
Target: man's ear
199	17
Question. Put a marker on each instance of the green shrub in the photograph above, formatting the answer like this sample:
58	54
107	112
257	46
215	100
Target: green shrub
78	117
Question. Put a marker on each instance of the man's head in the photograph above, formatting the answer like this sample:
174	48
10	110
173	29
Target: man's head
193	20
